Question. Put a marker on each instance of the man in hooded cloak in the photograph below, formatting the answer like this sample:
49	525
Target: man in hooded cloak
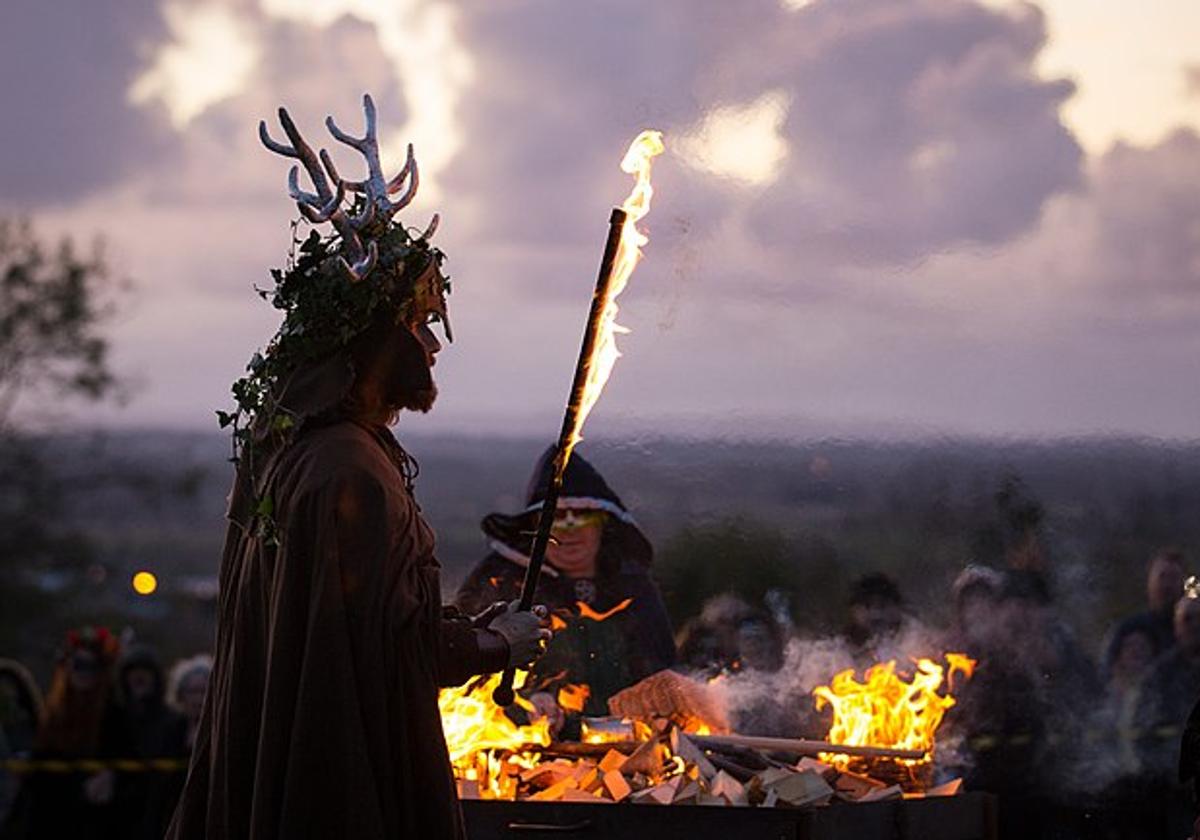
321	719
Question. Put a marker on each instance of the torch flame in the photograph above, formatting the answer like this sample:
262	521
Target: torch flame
645	147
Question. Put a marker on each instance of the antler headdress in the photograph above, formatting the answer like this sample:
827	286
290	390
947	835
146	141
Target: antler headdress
335	287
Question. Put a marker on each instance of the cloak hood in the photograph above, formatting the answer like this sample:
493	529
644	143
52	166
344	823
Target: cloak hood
624	547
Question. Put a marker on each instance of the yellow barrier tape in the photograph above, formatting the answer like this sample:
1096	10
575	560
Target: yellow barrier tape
23	766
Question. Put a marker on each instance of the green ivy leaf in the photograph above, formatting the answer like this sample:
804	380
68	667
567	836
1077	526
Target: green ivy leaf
265	508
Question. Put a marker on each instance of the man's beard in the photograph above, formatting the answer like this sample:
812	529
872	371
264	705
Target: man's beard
410	385
421	400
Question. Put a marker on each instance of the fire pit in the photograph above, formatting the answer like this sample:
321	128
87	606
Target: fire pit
873	777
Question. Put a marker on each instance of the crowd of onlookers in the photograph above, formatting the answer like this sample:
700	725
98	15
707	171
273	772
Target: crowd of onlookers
103	752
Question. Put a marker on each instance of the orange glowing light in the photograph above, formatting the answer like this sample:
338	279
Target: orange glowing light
556	623
574	697
485	745
886	710
644	148
145	583
587	612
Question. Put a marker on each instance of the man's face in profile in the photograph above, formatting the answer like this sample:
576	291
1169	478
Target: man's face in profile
408	368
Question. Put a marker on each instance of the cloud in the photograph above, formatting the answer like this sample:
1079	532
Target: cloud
869	210
67	129
742	142
913	127
183	75
429	63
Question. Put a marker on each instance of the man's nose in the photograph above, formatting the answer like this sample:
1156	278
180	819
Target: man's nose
429	339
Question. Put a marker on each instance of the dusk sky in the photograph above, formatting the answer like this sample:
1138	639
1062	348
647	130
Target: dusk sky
873	216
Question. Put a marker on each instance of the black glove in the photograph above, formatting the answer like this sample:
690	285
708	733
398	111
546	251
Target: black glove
525	632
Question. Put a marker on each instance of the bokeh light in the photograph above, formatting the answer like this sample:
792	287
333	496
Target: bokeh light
145	583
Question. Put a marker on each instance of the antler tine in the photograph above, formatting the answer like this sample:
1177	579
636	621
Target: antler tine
302	152
368	146
432	227
367	215
414	181
397	182
311	206
275	146
359	269
303	197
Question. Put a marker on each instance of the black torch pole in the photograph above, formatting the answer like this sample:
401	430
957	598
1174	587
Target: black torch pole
503	695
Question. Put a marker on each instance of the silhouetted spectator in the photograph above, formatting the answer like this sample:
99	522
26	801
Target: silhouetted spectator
140	725
186	687
731	635
1134	652
74	804
1169	691
1126	791
1026	709
977	617
1164	586
20	711
878	627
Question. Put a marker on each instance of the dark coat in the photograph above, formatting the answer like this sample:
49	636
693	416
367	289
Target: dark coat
143	802
607	655
321	718
1169	691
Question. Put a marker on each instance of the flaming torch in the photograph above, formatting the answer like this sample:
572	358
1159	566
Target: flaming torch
597	356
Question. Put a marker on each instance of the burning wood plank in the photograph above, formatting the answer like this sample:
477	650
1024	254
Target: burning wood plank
729	788
683	747
884	794
796	788
616	785
803	746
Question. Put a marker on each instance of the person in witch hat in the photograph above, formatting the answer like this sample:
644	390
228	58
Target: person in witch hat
612	628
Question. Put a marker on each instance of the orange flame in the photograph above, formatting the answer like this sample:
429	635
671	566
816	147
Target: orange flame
587	612
573	697
645	147
887	711
478	733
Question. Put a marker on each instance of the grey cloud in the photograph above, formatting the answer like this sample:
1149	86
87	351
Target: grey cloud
915	126
1145	211
64	71
564	87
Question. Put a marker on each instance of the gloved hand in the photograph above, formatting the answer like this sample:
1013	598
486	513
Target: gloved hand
525	632
483	619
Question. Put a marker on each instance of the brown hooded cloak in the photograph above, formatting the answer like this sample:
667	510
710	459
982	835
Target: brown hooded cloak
321	719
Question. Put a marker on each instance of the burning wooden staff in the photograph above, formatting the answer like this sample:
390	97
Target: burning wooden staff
599	353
